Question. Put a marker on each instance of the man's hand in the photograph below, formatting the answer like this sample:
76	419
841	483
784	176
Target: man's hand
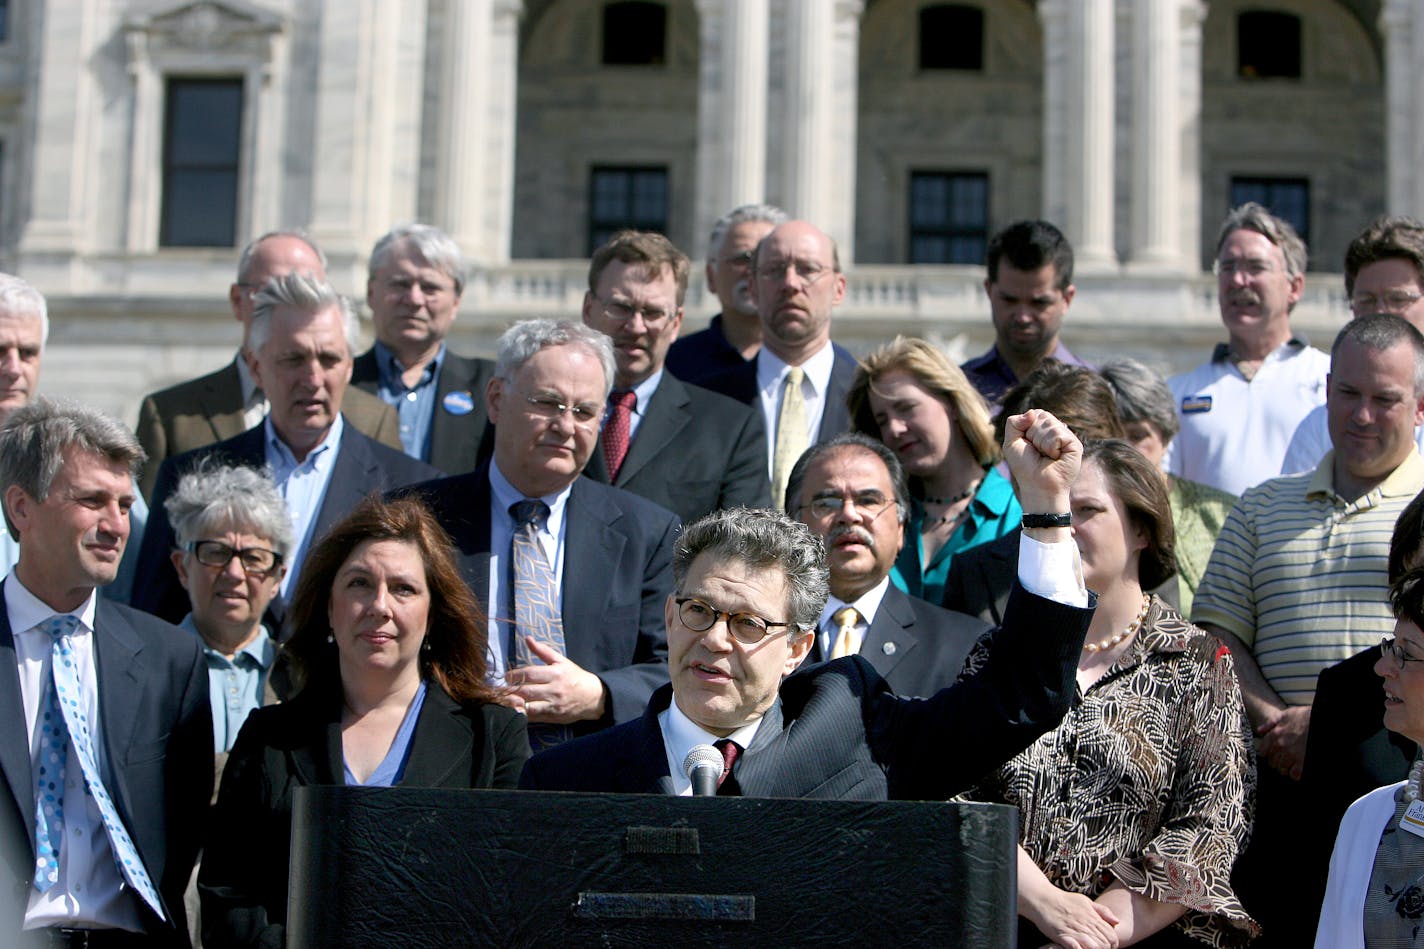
1044	456
1282	739
557	693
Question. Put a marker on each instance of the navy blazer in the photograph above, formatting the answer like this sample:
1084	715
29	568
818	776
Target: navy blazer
695	452
158	741
740	383
362	466
243	880
838	732
617	578
458	442
917	647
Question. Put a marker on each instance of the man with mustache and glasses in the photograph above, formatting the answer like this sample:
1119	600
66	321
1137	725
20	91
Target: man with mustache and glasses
851	491
1240	410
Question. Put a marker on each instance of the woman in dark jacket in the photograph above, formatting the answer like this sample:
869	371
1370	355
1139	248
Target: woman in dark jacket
388	653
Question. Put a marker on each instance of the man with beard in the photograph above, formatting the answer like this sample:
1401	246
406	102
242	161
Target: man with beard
1240	410
734	335
1030	287
690	450
799	378
844	489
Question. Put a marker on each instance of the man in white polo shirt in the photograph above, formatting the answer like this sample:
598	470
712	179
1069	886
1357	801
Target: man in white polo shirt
1239	410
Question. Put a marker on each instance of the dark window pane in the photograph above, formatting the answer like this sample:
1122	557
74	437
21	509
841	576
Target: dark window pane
634	34
951	37
1287	198
949	217
621	198
1267	45
201	150
4	20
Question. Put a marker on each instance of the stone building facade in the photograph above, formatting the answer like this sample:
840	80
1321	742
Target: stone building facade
143	141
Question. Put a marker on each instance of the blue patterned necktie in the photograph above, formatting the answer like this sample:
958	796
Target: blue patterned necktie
536	603
62	720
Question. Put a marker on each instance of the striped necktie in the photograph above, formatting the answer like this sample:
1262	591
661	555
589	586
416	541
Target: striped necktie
537	611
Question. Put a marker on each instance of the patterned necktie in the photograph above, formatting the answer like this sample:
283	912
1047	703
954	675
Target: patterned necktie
846	617
790	435
617	431
730	750
62	719
536	603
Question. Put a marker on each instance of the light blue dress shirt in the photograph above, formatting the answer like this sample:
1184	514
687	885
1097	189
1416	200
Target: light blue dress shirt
302	485
415	405
644	391
234	685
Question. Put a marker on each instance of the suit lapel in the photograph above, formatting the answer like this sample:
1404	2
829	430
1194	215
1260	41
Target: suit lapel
642	765
664	417
354	473
14	750
756	768
893	628
835	417
221	403
452	437
590	545
440	729
121	690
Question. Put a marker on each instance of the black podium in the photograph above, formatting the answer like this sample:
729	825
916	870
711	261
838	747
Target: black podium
416	867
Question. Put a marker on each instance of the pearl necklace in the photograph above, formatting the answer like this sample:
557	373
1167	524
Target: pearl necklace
1411	789
1103	645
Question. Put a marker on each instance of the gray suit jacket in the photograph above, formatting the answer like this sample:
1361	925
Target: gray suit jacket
208	409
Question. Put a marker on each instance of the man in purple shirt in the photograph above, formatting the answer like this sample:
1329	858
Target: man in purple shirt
1030	287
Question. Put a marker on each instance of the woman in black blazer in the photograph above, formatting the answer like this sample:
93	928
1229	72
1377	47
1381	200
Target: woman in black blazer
388	653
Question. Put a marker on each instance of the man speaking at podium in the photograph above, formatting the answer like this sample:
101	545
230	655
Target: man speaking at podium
750	587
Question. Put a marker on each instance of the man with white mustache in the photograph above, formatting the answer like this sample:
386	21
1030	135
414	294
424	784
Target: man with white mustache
844	490
1239	410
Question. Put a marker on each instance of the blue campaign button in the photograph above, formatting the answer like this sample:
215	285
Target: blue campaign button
459	403
1194	404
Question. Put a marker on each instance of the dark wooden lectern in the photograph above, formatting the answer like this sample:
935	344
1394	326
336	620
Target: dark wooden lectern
415	867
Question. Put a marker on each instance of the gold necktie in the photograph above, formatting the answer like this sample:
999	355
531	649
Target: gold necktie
790	435
846	617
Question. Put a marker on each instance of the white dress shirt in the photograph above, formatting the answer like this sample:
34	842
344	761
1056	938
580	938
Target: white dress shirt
771	373
867	606
681	734
303	486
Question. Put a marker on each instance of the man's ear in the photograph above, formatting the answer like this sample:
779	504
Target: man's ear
799	647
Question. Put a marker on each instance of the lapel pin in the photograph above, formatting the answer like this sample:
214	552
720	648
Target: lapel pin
888	649
459	403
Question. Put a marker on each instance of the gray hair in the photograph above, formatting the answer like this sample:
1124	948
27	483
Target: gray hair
1142	395
522	340
33	440
214	497
244	260
1382	331
761	539
767	213
850	440
432	245
1253	217
301	292
19	298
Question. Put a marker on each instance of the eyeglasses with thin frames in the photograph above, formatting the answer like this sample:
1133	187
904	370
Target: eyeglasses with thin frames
1390	646
621	311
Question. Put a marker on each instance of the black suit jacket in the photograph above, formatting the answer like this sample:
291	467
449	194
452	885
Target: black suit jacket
243	880
617	577
363	466
839	733
457	442
740	383
158	738
695	452
981	577
917	647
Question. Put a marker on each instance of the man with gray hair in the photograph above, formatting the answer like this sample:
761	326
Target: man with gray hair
24	328
300	345
415	279
107	753
227	402
843	489
1240	410
734	335
750	588
571	573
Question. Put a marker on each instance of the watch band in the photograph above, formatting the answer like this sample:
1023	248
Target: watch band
1047	520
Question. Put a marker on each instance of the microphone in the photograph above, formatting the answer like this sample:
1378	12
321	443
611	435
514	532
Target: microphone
703	767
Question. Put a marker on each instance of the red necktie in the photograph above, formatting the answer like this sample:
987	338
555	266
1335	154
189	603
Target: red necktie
616	431
730	749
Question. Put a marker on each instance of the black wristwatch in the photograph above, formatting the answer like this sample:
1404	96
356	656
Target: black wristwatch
1047	520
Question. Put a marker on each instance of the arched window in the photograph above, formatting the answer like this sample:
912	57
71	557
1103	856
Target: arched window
1267	45
634	33
951	37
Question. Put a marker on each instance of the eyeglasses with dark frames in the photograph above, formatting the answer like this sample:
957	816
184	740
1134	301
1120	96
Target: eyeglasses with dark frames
746	628
215	553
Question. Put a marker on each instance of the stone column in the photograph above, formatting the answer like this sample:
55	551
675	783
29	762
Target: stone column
1156	135
731	109
1192	13
1403	30
474	158
1078	126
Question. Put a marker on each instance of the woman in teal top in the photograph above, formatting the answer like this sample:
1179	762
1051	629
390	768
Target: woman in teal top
911	397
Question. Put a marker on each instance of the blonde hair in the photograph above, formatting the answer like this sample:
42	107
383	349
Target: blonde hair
933	370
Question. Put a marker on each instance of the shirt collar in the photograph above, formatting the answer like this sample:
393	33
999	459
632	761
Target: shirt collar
867	606
506	495
995	494
1403	481
771	370
682	733
260	649
27	611
390	368
319	457
644	391
246	379
1296	344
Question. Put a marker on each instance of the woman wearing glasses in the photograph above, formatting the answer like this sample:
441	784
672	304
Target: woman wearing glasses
912	398
1132	811
1375	894
388	655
